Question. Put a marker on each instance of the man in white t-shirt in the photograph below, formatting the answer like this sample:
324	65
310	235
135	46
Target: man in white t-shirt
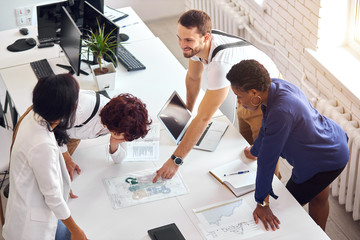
198	44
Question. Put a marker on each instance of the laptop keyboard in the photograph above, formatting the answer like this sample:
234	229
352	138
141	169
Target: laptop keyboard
42	68
203	135
128	60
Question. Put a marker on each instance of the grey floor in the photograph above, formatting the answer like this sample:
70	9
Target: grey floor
340	225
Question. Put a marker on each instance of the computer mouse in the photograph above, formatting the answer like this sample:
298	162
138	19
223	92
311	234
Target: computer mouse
24	31
30	41
123	37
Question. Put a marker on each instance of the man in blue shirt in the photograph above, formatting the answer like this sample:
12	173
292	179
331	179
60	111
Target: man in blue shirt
314	145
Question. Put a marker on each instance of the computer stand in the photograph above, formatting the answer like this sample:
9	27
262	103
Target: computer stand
71	71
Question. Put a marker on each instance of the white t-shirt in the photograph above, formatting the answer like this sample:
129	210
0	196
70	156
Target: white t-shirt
222	62
94	128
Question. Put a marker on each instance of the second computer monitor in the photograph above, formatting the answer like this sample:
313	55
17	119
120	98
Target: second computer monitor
92	17
70	40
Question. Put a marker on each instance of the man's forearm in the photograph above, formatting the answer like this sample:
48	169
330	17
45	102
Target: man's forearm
192	136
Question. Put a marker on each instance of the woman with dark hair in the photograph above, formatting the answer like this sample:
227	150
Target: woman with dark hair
125	117
314	145
39	183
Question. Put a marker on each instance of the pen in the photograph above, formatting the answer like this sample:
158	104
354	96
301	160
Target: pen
235	173
127	25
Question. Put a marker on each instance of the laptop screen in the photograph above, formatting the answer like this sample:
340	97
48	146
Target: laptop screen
175	116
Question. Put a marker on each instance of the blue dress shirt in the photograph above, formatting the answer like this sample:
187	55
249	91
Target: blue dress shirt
293	129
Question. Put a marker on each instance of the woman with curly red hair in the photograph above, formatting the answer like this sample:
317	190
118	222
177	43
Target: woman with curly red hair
125	117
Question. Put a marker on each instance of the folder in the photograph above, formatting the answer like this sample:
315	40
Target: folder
237	183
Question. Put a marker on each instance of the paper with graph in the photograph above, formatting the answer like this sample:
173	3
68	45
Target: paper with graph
145	149
137	187
227	220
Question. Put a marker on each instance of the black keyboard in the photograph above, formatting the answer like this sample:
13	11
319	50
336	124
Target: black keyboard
49	39
128	60
42	68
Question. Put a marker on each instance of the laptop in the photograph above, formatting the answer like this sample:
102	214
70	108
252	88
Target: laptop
176	118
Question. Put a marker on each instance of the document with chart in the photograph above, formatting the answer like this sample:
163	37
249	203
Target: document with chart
137	187
229	220
145	149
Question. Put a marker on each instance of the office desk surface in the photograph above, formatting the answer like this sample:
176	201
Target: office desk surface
133	26
136	32
162	69
93	209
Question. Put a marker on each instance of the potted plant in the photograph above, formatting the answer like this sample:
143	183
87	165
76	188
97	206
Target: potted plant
100	44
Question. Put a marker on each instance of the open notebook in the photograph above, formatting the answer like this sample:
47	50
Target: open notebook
238	183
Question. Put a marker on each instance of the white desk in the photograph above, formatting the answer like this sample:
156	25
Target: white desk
133	26
137	32
93	210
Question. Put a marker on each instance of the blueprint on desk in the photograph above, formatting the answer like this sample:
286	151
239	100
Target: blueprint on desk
137	187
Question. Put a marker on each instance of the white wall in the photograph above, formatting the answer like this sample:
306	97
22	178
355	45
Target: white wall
146	9
7	11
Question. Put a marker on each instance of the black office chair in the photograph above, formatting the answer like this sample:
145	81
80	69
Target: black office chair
9	106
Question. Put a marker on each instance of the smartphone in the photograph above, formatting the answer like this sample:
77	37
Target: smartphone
166	232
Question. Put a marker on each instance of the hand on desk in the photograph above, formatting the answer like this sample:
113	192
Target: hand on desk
168	170
267	217
248	154
71	166
72	195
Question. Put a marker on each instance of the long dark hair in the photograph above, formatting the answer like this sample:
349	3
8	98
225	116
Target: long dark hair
55	98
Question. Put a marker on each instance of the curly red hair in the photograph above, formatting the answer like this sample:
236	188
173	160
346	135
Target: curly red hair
126	114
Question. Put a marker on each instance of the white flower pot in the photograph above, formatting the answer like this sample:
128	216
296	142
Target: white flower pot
105	81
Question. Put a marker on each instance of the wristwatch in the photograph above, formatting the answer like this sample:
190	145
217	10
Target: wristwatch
177	160
264	204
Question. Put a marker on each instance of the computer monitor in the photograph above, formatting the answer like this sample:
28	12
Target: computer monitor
91	18
49	17
49	21
77	11
70	42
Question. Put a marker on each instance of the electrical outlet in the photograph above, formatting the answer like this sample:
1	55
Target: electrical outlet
28	11
19	12
21	21
23	16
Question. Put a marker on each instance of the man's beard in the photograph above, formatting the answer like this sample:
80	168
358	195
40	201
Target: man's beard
192	53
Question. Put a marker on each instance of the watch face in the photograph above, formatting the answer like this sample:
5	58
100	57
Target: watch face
178	161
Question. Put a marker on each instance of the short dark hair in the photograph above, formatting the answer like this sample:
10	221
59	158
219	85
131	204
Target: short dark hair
126	114
249	74
198	19
55	98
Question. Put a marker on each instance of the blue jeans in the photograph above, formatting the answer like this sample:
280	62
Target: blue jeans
62	233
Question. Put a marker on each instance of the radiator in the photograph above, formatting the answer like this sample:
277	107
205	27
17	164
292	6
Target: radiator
225	14
347	186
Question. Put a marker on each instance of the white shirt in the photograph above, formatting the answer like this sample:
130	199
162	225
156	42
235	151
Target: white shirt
222	62
39	183
94	128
